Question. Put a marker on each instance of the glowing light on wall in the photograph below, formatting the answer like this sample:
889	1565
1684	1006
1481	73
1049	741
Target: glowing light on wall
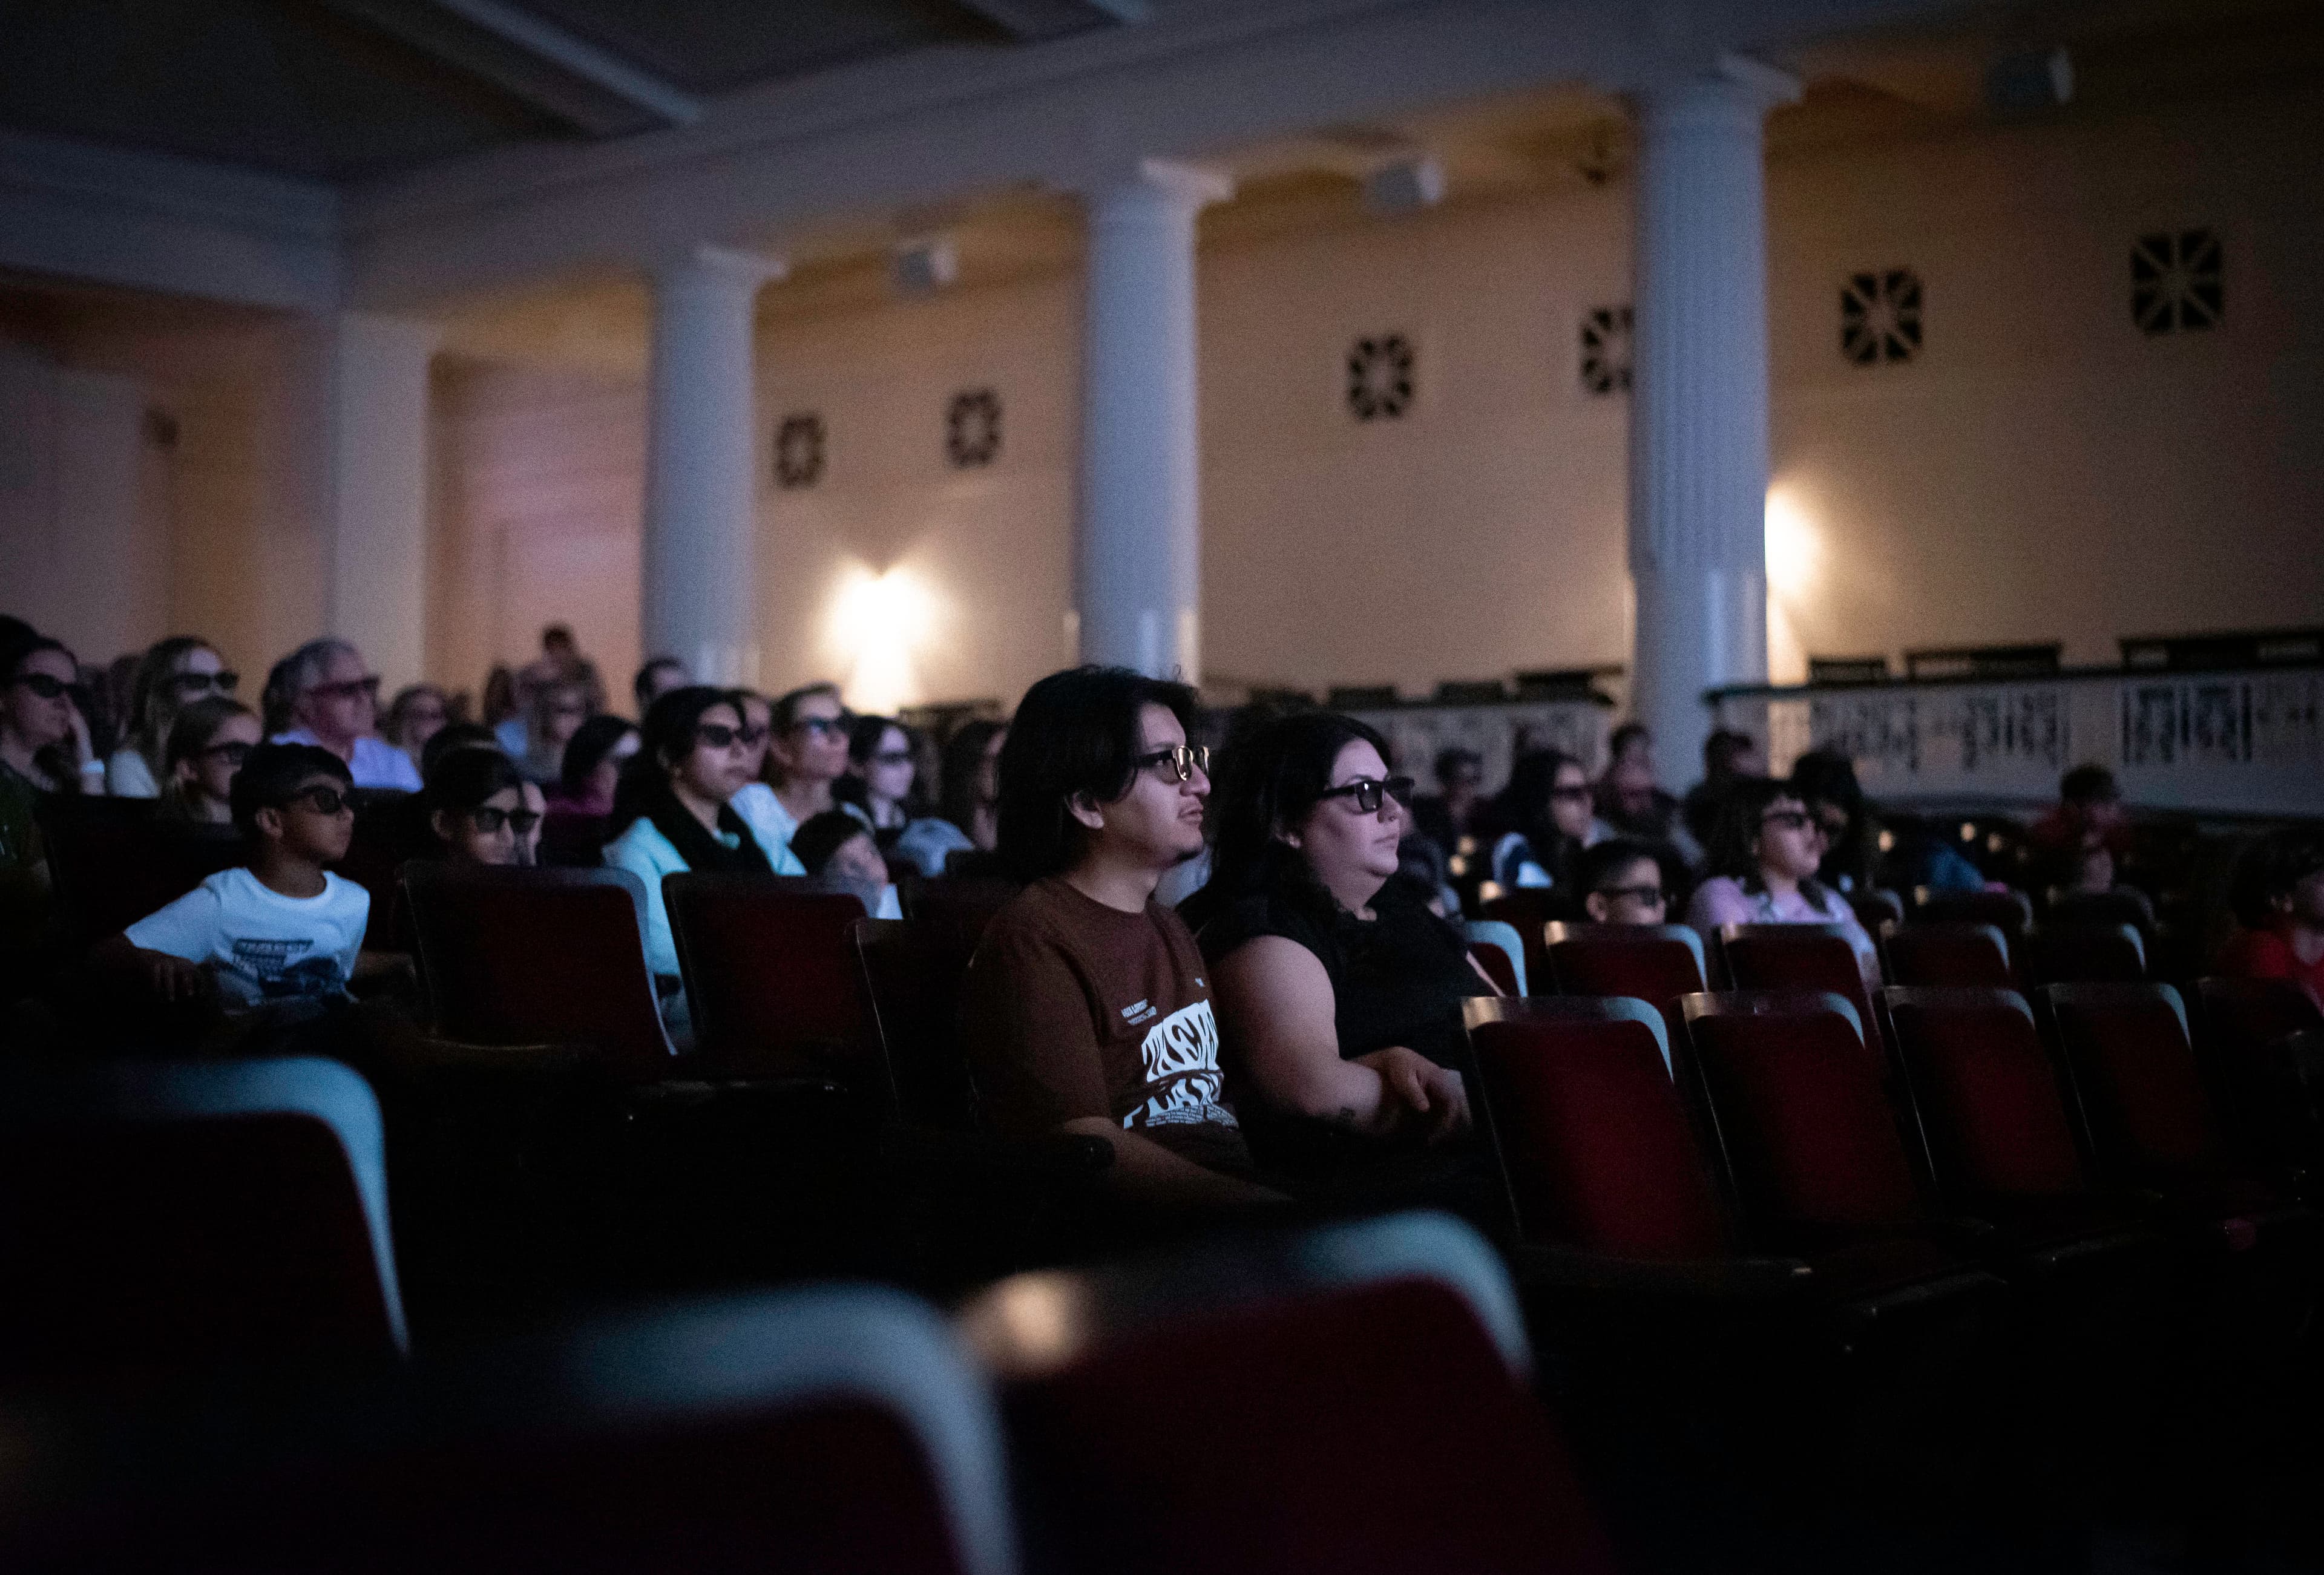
880	623
1795	562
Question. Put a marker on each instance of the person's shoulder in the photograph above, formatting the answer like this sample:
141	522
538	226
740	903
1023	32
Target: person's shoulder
640	843
345	895
753	797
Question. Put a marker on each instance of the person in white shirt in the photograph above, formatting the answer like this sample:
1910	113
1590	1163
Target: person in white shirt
334	703
281	936
172	675
807	752
672	811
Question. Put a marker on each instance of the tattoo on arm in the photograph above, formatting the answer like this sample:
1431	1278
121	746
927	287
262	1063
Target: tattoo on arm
1346	1120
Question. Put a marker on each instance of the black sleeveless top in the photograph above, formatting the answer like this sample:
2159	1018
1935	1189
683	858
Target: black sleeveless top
1398	978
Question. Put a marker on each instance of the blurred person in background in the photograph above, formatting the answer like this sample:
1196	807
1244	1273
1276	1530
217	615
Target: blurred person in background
1444	817
415	716
334	702
208	743
656	678
1727	755
2277	893
172	674
44	742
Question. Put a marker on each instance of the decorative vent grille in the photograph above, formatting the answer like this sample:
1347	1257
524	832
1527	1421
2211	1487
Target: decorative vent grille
799	451
1606	350
2177	281
973	428
1880	316
1380	378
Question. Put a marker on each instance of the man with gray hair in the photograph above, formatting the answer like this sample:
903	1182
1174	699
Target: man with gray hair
334	702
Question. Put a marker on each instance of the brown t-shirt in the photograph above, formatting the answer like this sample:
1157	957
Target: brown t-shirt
1072	1009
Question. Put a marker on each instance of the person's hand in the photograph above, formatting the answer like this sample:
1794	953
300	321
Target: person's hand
82	749
174	978
1417	1084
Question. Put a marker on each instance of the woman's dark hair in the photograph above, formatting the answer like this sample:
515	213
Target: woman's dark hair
1828	777
1523	804
586	749
819	836
1736	833
644	791
194	727
272	772
864	736
13	658
2267	871
963	753
1269	783
465	778
784	713
1076	734
453	738
152	700
1601	861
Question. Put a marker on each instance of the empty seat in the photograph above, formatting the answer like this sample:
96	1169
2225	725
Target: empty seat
1878	909
157	1215
2125	905
111	862
2086	953
912	971
1499	951
1948	957
770	974
1352	1399
1656	964
1810	957
536	957
2009	911
819	1430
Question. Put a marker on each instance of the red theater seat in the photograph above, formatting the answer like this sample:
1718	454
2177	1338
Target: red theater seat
160	1215
2010	912
1948	956
770	973
1527	909
2263	1040
1353	1399
1809	957
2086	953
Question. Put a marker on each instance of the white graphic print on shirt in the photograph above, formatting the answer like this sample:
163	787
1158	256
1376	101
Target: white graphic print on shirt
1181	1069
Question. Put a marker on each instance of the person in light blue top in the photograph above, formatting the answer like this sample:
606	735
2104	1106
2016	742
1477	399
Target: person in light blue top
672	810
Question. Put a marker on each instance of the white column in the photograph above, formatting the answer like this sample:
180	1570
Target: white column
1698	398
375	385
1137	561
701	577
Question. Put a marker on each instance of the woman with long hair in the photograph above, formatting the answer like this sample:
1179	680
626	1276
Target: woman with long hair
1765	852
1536	824
206	745
1339	992
172	674
670	811
43	734
476	808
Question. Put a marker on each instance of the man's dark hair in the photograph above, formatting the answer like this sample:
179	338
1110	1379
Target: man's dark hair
1074	734
450	739
1595	866
272	772
1619	739
586	749
2089	784
1722	749
1451	761
557	634
465	778
638	685
785	714
821	835
2268	870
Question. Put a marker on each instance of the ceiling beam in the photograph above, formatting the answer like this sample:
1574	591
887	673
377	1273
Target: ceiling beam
1027	20
532	61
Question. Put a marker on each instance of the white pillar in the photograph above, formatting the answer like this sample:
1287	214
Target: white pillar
701	577
374	474
1698	398
1137	559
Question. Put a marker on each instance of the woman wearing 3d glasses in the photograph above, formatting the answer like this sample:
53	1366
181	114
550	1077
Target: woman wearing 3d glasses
1339	992
44	739
1764	851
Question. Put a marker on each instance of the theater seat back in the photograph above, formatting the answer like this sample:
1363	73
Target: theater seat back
1797	957
1948	956
2143	1096
771	977
1986	1094
913	970
1656	964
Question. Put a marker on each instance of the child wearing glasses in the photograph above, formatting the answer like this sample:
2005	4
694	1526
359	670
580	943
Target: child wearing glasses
1765	852
280	937
209	741
475	806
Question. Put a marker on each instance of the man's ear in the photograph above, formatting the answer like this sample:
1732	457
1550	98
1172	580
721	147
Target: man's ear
269	822
1083	808
440	823
1596	904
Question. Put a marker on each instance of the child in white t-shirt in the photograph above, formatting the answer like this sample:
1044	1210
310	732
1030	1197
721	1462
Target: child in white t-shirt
281	936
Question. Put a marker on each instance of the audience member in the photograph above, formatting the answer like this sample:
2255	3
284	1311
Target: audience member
1825	781
594	758
504	709
476	808
657	678
1726	756
880	774
672	812
560	662
44	736
280	937
2277	893
532	801
807	752
1621	882
1539	820
967	817
453	737
207	746
1444	817
417	714
333	701
838	853
1764	860
172	674
1631	800
1086	1009
559	707
2089	812
758	730
1339	993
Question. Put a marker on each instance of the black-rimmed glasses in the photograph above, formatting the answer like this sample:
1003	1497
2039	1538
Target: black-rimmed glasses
233	752
1648	896
1790	820
1182	760
489	819
1368	792
191	684
44	686
321	799
822	727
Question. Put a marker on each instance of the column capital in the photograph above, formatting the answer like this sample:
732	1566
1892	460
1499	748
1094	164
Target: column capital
727	266
1172	180
1729	84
